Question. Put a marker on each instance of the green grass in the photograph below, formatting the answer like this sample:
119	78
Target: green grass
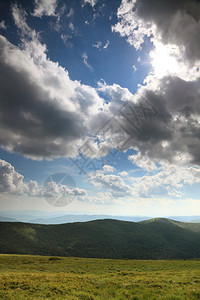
43	277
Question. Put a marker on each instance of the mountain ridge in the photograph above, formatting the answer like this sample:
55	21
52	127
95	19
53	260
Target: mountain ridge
157	238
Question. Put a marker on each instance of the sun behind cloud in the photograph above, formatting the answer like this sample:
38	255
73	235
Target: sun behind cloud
164	60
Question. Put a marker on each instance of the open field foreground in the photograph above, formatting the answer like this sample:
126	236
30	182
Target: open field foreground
39	277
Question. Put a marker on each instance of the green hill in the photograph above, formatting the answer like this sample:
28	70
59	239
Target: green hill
151	239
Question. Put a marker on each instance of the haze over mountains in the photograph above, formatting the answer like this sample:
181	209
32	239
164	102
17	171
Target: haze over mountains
150	239
42	217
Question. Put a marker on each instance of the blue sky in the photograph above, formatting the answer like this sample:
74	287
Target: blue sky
105	93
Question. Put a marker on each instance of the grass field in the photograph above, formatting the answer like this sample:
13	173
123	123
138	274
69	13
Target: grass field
44	277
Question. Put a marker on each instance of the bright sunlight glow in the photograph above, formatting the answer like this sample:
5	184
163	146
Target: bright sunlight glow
163	60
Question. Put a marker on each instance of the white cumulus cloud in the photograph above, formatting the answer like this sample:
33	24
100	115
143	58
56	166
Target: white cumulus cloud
112	183
13	183
108	169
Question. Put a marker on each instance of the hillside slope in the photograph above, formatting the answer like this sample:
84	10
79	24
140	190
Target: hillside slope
152	239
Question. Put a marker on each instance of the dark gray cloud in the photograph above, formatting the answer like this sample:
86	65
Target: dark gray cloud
43	114
173	133
31	121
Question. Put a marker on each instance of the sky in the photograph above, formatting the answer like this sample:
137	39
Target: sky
100	106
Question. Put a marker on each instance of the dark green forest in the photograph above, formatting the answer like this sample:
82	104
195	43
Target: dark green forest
152	239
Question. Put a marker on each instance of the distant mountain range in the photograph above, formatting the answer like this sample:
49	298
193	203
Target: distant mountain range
7	219
150	239
41	217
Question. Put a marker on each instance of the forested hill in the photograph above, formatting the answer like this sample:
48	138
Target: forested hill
152	239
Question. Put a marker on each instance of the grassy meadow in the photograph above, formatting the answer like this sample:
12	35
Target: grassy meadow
44	277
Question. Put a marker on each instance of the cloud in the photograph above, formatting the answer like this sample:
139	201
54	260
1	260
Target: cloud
13	183
86	63
100	198
169	180
61	195
45	8
106	44
112	183
123	173
47	125
170	133
162	21
71	13
143	162
99	45
161	120
134	68
116	94
71	26
52	190
56	24
3	25
173	133
108	169
53	122
65	38
91	2
19	15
